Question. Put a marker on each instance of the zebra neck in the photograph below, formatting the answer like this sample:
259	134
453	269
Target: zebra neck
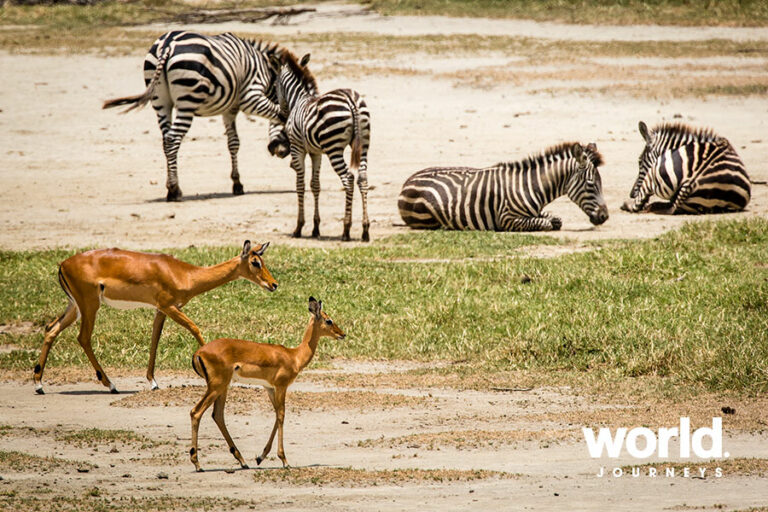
546	181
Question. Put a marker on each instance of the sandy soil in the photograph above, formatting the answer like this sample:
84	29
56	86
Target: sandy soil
554	474
74	175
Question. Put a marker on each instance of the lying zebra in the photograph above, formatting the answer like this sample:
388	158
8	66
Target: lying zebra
508	196
695	170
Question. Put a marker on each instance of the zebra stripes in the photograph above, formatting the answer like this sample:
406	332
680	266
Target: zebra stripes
694	171
206	76
508	196
324	123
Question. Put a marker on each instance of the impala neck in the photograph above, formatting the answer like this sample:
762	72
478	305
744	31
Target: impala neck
306	350
204	279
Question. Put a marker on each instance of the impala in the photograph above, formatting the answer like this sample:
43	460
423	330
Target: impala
274	367
127	280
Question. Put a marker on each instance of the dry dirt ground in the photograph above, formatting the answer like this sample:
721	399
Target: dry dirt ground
72	175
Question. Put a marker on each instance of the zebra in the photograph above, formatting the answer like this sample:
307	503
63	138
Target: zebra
324	123
206	76
694	170
278	144
508	196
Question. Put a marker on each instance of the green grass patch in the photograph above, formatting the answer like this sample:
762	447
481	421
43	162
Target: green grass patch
599	12
98	436
689	306
24	462
351	477
93	500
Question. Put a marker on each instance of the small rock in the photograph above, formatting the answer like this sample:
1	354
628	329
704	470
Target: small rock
127	475
83	470
345	422
114	450
728	410
229	471
525	279
678	116
136	215
162	476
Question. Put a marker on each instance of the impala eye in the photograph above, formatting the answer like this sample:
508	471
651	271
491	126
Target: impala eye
256	263
329	322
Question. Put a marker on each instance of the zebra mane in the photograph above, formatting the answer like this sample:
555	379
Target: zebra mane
303	73
683	130
562	151
267	47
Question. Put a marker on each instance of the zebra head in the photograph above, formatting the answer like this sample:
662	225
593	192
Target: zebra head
647	158
278	144
585	187
295	81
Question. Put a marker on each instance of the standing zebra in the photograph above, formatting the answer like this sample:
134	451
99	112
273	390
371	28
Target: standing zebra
205	76
696	171
324	123
508	196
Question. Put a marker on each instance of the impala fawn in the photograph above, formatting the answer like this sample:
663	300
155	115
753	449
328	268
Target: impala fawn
273	366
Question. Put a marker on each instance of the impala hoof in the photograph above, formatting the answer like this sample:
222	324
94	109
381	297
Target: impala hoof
258	461
199	470
39	390
153	385
244	466
113	389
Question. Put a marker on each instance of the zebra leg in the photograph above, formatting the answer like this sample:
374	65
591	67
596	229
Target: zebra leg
171	143
362	185
315	185
556	222
233	144
297	164
531	224
348	181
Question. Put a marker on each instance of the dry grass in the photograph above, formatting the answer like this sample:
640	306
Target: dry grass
25	463
470	439
349	477
741	466
241	400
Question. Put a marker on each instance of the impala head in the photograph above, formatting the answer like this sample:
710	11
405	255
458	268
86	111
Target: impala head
585	187
253	267
647	157
278	144
323	321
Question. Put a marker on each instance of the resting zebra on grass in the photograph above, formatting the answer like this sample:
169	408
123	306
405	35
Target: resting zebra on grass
508	196
206	76
695	170
324	123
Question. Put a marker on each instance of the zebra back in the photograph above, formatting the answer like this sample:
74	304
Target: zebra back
494	198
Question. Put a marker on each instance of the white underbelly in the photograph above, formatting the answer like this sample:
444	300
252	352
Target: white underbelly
125	304
255	382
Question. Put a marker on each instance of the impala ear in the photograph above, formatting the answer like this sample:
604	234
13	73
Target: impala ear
314	306
262	248
246	249
304	61
644	132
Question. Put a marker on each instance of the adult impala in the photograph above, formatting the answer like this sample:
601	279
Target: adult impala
273	366
127	280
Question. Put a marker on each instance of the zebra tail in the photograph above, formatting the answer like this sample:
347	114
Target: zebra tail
357	144
140	100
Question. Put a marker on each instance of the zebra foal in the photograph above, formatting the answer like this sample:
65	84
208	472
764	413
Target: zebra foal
507	196
324	123
205	76
693	170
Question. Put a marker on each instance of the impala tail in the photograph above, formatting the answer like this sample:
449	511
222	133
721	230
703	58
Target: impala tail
140	100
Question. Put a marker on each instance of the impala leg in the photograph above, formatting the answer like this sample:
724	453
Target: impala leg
297	164
195	415
233	144
183	320
280	410
268	446
218	417
348	181
88	320
315	185
52	330
157	330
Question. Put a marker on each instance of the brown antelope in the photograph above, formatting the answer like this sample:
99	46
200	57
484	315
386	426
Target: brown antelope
127	280
273	366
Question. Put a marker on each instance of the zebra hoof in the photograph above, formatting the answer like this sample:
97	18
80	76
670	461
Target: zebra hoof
366	238
174	195
237	189
316	233
297	233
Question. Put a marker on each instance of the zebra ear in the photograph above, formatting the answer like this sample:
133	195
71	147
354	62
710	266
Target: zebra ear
304	61
644	132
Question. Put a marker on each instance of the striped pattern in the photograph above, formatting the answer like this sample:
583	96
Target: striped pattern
206	76
324	124
693	171
508	196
